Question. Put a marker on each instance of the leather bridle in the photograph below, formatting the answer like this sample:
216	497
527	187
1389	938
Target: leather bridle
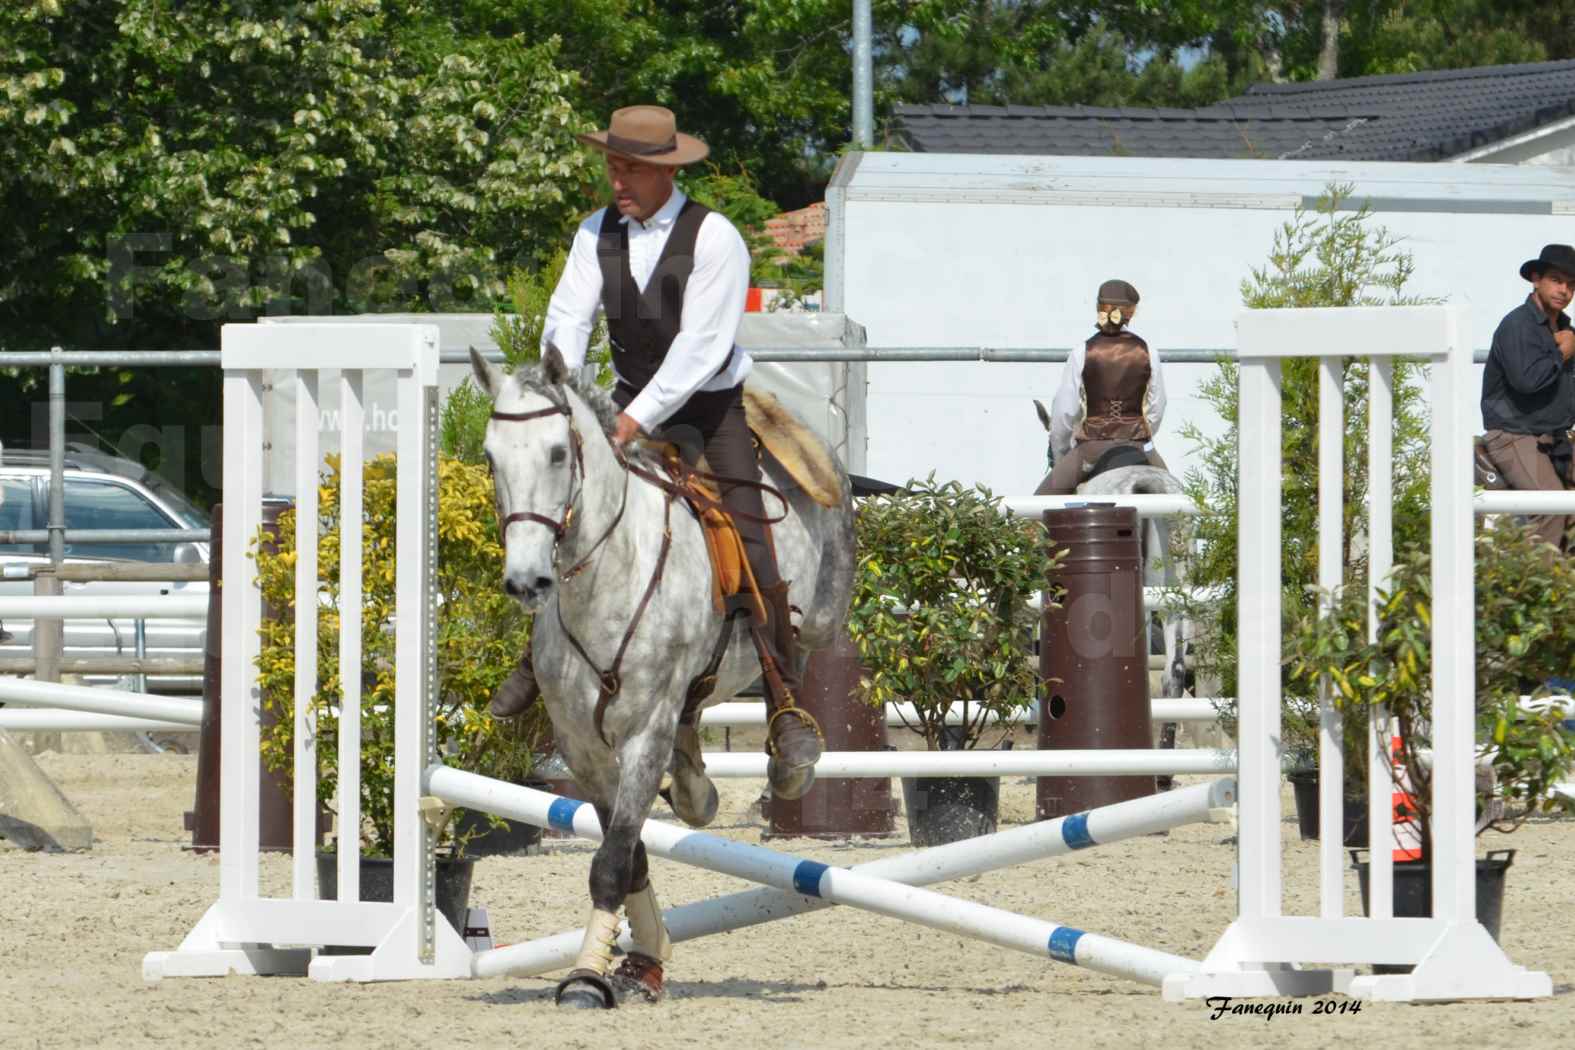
564	521
610	680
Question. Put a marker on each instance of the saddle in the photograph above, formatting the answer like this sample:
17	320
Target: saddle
1116	457
730	574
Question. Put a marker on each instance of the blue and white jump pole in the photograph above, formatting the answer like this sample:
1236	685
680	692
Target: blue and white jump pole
804	885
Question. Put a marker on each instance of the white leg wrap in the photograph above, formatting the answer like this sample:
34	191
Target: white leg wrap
646	927
601	931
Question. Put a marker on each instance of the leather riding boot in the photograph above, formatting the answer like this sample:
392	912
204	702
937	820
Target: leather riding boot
793	738
517	692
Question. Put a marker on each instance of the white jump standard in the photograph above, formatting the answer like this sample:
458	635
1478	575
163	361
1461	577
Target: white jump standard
1265	953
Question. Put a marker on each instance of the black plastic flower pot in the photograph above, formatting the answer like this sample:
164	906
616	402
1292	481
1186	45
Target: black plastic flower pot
1304	787
377	884
950	809
1413	897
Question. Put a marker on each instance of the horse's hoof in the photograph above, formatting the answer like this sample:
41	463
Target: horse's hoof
639	977
584	990
696	815
789	783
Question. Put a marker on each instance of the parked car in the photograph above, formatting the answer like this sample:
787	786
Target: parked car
101	492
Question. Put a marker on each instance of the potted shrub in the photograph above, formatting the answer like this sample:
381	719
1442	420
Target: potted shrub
1525	635
480	634
942	613
1323	256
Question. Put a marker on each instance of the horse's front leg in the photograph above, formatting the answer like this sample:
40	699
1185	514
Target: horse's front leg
619	873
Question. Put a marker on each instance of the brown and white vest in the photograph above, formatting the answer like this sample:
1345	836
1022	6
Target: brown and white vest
1116	372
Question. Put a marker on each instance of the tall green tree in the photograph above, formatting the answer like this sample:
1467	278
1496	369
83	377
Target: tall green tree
166	167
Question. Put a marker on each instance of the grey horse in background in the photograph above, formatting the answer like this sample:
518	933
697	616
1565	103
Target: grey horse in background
583	539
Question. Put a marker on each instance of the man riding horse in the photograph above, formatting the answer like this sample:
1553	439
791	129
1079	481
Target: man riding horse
1111	399
671	277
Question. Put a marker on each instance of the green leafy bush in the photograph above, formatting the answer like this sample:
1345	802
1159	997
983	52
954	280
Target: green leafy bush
1525	635
481	633
941	607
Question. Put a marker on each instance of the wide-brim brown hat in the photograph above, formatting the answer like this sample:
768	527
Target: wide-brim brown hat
649	134
1553	257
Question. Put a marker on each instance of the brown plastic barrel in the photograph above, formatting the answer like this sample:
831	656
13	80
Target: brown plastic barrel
836	807
276	830
1093	654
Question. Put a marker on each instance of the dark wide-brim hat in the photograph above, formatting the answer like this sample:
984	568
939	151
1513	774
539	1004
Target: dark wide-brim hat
1553	257
649	134
1118	293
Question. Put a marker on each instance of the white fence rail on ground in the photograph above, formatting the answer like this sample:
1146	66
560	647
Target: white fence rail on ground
88	699
51	720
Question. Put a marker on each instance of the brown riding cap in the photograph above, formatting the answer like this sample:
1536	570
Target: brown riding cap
1118	293
649	134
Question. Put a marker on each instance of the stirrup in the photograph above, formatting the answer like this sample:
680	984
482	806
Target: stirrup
790	707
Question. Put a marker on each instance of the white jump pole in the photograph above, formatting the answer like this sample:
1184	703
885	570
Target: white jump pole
105	606
812	878
735	713
48	720
989	763
957	860
186	713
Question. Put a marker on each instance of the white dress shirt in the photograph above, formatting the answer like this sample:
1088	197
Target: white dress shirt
713	307
1070	407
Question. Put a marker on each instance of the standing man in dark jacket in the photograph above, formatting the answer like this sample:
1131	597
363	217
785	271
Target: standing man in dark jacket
1528	389
671	277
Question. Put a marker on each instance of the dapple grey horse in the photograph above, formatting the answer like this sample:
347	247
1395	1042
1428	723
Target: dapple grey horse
584	537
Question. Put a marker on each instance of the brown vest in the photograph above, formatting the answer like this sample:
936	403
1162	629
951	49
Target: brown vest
642	325
1116	372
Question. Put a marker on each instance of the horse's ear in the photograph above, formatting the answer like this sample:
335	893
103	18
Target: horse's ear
1044	416
487	375
553	370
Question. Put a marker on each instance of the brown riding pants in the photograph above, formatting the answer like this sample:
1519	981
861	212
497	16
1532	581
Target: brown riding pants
1067	474
1527	467
712	423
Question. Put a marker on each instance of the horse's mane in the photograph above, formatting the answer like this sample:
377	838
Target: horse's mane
532	378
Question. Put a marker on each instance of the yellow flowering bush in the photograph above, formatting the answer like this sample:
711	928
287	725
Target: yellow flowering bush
481	634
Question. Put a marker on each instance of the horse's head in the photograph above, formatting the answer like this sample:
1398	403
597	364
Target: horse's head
536	455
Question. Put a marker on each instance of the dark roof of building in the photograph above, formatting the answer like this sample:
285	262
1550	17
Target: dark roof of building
1412	116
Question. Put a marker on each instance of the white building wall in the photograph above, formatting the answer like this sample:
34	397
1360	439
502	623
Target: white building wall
969	251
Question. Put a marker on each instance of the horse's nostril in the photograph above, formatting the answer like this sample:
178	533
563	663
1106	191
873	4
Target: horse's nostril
511	588
541	583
